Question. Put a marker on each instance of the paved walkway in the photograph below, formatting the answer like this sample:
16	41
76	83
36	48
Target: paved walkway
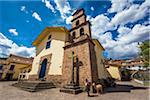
123	91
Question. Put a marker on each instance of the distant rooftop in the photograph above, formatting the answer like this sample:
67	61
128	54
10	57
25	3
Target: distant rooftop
16	59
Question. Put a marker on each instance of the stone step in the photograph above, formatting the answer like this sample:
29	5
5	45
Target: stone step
34	86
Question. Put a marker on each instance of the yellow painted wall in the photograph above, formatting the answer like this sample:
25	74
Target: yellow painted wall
57	51
114	72
25	69
102	71
5	71
17	69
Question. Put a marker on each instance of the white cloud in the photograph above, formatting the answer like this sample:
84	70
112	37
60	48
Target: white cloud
36	16
124	51
27	21
123	30
115	49
23	9
89	18
138	33
106	40
126	43
2	36
92	8
13	31
132	14
7	47
119	5
65	10
23	51
63	7
49	6
100	24
68	20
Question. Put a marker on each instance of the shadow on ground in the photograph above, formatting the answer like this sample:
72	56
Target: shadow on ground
123	88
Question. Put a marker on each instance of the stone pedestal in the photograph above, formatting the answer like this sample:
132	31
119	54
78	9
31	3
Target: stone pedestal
71	88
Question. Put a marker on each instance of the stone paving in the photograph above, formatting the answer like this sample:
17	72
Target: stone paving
124	91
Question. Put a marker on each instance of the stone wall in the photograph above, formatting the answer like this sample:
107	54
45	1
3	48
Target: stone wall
56	79
93	61
87	62
33	77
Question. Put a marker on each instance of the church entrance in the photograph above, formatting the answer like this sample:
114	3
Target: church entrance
43	69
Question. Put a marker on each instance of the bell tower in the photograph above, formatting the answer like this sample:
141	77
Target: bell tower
80	26
79	61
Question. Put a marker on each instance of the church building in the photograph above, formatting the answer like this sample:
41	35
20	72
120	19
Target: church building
64	56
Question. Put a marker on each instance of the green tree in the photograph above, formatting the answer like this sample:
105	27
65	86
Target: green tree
144	52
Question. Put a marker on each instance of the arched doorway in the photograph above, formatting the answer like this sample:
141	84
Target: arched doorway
43	69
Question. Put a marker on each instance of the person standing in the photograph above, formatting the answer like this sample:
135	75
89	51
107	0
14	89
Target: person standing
87	87
94	87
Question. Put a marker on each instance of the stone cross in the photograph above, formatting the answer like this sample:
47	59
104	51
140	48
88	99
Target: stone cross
72	74
73	57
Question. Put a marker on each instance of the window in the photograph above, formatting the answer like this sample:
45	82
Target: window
24	71
1	66
69	37
12	67
49	37
73	35
77	22
29	70
48	44
128	66
81	31
0	75
24	76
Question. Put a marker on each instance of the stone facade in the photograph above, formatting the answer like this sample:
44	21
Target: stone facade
33	77
87	62
83	48
56	79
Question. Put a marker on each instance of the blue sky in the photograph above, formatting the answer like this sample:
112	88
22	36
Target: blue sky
118	24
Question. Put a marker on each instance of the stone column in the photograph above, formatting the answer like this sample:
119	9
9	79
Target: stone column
77	71
72	73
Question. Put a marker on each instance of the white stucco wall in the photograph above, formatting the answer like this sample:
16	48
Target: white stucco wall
57	51
102	71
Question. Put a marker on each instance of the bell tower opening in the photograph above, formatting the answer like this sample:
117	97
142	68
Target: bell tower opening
81	31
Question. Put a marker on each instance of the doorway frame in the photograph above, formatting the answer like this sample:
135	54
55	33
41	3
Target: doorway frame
48	57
